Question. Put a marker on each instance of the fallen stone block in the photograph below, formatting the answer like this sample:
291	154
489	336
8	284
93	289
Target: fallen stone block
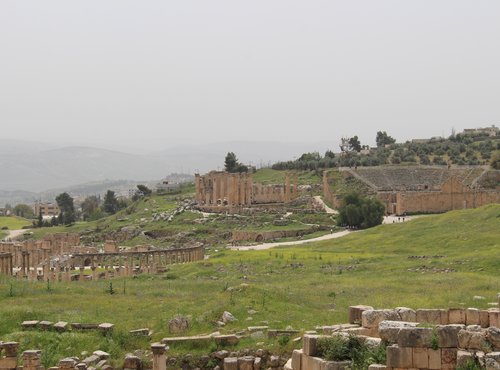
369	332
101	354
91	360
132	362
377	367
415	337
389	330
288	365
106	327
355	313
257	364
329	329
67	363
196	338
372	318
246	363
144	332
61	326
225	340
45	325
79	326
272	333
448	335
257	328
335	365
492	361
10	348
81	366
30	324
399	357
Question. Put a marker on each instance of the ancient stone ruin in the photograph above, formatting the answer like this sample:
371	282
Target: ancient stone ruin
60	257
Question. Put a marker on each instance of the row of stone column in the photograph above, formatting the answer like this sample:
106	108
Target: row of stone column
6	263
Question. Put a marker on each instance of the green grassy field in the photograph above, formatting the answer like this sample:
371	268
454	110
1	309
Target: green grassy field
301	286
269	176
13	222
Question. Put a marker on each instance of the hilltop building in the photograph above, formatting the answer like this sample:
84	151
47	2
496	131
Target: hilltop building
47	209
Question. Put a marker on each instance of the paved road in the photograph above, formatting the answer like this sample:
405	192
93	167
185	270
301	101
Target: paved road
296	242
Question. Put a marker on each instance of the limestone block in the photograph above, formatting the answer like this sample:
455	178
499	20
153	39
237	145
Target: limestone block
355	313
494	317
101	354
143	332
372	342
406	314
246	363
91	360
372	318
428	316
274	361
296	359
67	363
445	320
448	358
32	358
493	336
288	365
61	326
258	363
463	357
10	348
106	327
335	365
45	325
472	316
132	362
229	339
389	330
377	367
472	338
456	316
310	344
492	361
484	318
448	335
251	329
8	363
83	366
434	358
420	358
415	337
399	357
307	362
369	332
230	363
29	324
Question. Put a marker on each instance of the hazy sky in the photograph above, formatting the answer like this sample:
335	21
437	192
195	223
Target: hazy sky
160	73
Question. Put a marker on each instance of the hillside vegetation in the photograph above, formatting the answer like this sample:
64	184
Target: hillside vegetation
300	286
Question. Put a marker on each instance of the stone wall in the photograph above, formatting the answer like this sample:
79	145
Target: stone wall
260	236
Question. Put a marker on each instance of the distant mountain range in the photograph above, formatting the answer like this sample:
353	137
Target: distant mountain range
27	169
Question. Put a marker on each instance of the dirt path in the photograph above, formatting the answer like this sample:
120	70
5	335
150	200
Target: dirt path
296	242
327	209
13	234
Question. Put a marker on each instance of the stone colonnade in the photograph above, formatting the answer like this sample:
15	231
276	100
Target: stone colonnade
106	265
6	263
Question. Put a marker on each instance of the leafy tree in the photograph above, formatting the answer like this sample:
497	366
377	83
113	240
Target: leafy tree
354	144
110	202
67	208
495	160
329	154
231	164
312	156
89	206
357	211
24	210
383	139
144	190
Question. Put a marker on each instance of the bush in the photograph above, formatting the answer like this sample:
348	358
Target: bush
353	349
357	211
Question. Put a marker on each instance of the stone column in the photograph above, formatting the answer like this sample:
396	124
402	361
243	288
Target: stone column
32	360
159	356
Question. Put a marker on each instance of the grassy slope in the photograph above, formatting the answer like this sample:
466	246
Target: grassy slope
13	222
269	176
302	286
